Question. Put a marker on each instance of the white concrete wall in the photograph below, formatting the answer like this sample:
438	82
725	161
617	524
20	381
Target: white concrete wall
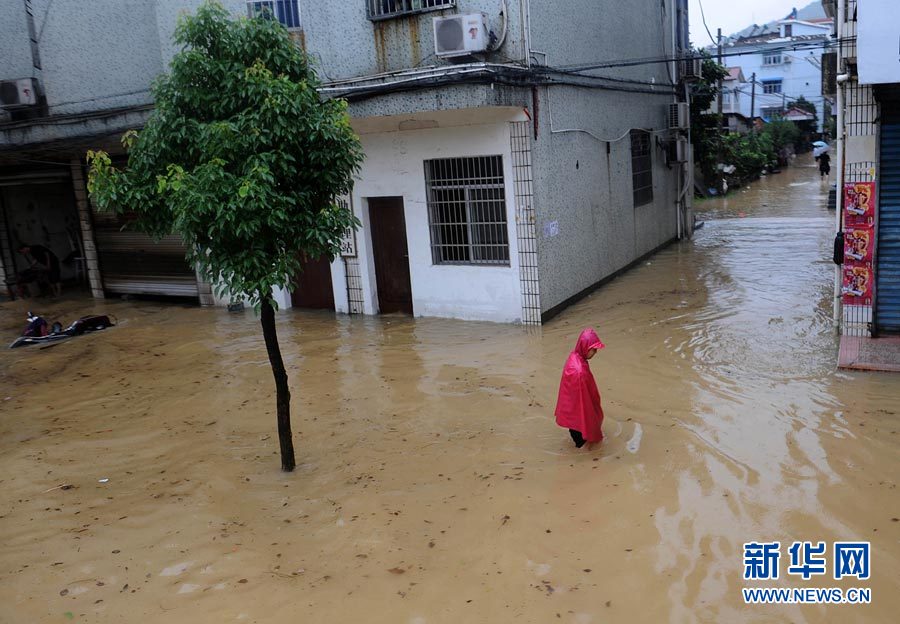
801	29
15	46
394	166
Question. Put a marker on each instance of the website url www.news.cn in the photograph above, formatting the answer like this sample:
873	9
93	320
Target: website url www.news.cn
809	595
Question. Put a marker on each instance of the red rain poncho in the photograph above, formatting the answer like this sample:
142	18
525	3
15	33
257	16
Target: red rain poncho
578	406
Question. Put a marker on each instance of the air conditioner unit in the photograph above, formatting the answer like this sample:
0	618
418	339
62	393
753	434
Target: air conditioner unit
460	35
677	151
679	116
691	69
18	93
682	151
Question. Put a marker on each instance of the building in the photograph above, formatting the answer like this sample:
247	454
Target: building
734	86
783	59
75	76
734	90
867	89
508	171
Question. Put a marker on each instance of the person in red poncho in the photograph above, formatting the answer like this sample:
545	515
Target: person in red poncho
578	407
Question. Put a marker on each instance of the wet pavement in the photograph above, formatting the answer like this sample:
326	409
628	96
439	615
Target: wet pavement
433	485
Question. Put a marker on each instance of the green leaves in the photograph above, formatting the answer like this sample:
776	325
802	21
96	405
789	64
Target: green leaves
241	157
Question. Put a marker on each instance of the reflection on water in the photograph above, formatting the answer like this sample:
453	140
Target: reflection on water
433	485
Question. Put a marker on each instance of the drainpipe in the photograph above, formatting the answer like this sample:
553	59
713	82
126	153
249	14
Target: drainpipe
839	203
680	226
525	19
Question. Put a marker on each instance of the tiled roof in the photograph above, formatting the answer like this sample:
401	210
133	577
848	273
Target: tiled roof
813	12
734	73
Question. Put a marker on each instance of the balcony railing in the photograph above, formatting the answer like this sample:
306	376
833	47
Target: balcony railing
387	9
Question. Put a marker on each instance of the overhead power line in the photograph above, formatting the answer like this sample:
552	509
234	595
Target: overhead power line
703	15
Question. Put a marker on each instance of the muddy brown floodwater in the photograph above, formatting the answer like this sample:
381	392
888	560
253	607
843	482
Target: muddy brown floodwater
433	485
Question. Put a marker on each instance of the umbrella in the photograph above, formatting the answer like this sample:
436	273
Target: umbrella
819	148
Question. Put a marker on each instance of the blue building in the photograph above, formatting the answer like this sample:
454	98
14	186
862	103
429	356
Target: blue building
785	58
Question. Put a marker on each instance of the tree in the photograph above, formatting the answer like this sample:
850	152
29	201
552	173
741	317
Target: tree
782	134
807	128
704	127
803	104
244	160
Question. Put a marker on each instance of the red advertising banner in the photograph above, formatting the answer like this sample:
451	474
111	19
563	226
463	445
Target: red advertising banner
859	242
859	203
857	285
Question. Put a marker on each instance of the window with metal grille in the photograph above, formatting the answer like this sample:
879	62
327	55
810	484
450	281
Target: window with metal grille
386	9
287	12
467	210
641	168
771	112
772	59
771	86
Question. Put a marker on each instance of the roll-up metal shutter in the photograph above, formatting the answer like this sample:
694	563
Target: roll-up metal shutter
887	266
133	263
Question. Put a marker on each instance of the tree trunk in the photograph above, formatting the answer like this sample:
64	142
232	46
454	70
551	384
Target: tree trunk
282	393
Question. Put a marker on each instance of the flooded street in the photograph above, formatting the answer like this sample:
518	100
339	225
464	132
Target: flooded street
432	483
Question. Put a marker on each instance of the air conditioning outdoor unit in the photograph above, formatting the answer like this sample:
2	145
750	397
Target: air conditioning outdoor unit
676	151
681	150
691	69
18	93
679	116
460	35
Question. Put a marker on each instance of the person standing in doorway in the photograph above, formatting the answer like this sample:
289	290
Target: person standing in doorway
824	165
578	407
43	266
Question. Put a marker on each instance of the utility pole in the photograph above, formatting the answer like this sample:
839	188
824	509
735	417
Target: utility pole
720	179
753	100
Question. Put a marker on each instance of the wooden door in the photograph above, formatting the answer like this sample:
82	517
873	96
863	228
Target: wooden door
312	287
388	226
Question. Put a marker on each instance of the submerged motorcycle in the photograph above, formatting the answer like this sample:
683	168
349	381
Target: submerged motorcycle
38	331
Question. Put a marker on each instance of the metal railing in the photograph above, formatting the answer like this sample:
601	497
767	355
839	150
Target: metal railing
387	9
467	210
287	12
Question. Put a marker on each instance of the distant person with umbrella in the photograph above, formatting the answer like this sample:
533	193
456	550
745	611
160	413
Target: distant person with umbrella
824	165
820	152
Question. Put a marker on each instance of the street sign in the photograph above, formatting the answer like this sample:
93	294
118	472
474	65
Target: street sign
348	239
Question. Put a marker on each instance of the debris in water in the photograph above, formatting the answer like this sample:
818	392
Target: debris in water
61	486
397	571
103	480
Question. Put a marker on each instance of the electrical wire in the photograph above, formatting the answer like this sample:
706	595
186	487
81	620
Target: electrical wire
703	15
795	47
44	20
